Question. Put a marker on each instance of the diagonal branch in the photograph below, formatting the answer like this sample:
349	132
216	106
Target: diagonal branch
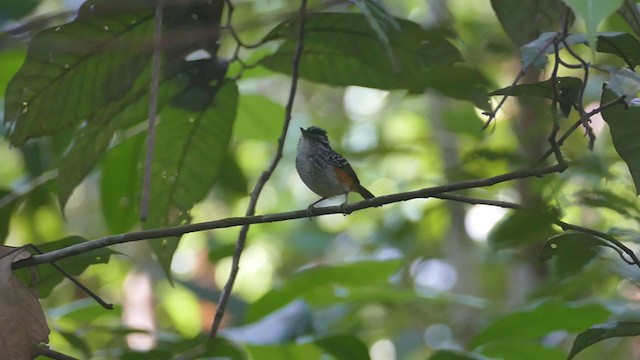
242	237
178	231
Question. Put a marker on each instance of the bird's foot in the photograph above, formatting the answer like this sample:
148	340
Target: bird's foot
309	211
344	209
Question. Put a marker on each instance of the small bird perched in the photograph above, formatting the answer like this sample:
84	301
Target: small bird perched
323	170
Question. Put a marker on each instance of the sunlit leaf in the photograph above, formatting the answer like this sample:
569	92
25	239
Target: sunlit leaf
258	118
601	332
5	215
593	12
337	276
119	183
539	320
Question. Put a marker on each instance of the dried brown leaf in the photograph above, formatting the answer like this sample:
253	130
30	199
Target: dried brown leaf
22	322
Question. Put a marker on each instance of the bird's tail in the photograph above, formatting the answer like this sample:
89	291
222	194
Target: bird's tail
364	192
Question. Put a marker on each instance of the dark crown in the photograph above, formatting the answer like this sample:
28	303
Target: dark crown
317	134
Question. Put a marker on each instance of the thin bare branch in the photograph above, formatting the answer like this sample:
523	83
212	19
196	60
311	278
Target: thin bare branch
255	194
177	231
153	108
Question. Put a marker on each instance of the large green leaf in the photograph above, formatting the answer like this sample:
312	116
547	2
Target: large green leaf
92	140
119	184
73	70
380	21
623	45
338	347
593	12
342	49
572	252
515	17
601	332
538	321
567	87
330	277
529	350
520	228
191	146
625	130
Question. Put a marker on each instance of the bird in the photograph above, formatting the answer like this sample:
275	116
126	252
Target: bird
324	171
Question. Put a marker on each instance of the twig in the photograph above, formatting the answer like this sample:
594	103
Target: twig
608	240
242	237
177	231
492	114
52	354
153	108
80	285
28	187
579	100
580	121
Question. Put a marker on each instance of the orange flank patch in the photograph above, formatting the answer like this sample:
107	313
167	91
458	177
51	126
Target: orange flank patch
345	178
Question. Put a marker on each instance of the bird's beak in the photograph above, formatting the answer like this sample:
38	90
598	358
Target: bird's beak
303	131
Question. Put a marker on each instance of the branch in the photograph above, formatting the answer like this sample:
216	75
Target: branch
608	240
178	231
251	208
492	114
153	108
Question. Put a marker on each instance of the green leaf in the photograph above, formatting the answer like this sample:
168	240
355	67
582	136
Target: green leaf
5	215
334	347
380	21
601	332
593	12
528	350
285	351
332	277
630	12
623	82
539	320
341	49
567	87
456	355
521	227
91	141
119	183
49	277
258	118
191	146
344	347
625	130
69	70
77	342
515	17
16	9
571	251
10	62
623	45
